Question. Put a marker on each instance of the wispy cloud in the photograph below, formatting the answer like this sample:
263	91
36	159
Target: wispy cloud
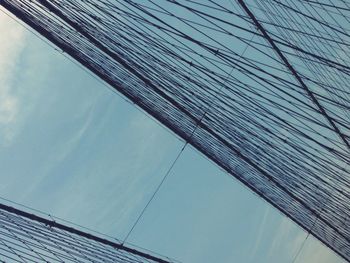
260	234
315	252
128	181
75	161
12	43
288	238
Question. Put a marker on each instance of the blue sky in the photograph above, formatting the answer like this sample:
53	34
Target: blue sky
73	148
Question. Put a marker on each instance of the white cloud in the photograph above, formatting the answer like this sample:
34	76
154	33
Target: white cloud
12	42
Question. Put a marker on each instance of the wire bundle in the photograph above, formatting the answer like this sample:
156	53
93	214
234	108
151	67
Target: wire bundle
276	117
25	237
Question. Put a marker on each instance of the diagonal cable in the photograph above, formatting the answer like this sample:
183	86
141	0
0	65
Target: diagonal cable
293	71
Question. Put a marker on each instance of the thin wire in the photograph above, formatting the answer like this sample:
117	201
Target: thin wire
104	84
125	99
49	44
180	152
54	218
301	248
155	192
289	149
57	218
